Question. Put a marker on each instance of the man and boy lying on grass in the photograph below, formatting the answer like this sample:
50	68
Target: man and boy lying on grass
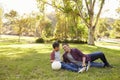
75	60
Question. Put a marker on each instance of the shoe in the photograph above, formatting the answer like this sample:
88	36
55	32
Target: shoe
108	66
81	70
88	66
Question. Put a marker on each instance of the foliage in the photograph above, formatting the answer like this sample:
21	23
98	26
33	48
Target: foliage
70	8
72	41
116	29
102	28
21	25
44	27
72	17
108	27
11	16
68	26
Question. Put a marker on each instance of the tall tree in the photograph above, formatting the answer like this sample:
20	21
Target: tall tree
87	13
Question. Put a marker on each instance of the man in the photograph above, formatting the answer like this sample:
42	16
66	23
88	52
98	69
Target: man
55	56
76	56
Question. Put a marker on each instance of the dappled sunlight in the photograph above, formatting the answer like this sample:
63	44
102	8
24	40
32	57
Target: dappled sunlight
44	51
20	50
12	53
13	56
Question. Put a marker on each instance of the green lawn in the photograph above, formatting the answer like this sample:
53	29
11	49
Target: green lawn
22	61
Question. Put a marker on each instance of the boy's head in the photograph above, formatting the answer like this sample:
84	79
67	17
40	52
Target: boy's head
56	46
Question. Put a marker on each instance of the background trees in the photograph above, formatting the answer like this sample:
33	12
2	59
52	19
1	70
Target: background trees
116	29
79	8
70	20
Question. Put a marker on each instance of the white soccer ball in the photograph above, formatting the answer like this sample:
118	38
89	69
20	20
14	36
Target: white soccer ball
56	65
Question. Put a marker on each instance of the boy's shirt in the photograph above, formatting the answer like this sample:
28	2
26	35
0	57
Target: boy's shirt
55	55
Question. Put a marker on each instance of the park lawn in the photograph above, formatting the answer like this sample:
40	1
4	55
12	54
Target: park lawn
31	62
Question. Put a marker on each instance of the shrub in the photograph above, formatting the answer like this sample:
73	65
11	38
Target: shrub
40	40
72	41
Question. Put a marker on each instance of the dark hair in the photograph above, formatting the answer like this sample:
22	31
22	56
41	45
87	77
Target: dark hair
55	44
65	44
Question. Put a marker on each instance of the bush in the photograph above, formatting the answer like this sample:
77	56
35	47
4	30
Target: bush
40	40
72	41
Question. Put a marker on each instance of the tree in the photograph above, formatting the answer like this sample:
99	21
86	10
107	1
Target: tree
12	19
11	16
84	11
60	30
25	26
21	24
103	29
116	29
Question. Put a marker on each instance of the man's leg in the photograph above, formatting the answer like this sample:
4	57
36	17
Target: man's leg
96	64
70	67
73	65
99	55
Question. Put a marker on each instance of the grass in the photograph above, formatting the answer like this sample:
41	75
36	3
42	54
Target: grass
22	61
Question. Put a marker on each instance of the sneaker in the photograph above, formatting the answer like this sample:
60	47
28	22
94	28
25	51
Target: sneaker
108	66
81	70
88	66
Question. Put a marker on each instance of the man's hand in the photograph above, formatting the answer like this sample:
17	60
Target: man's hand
83	64
51	61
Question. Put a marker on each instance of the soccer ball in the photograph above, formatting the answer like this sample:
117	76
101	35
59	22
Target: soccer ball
56	65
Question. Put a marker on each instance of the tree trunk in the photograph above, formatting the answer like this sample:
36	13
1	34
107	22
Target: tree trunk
19	38
91	31
66	28
19	33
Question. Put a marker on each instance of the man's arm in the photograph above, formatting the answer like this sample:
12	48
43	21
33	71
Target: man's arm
83	61
82	56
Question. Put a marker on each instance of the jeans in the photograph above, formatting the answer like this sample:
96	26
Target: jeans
70	66
96	64
98	55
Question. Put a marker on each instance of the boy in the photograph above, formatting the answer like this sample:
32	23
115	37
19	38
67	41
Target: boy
55	56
